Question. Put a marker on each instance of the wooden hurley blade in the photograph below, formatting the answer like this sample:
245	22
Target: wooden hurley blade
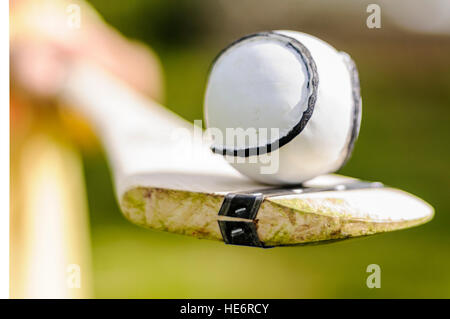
281	220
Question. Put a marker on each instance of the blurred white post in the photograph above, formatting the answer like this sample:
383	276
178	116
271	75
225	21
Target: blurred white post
50	247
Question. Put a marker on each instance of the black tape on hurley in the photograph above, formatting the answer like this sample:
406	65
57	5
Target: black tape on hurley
244	208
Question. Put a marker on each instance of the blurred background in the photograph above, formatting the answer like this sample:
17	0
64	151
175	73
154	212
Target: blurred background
404	70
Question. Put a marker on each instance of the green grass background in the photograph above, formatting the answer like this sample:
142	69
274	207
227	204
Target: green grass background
404	142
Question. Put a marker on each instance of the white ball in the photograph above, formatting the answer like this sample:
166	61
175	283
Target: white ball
294	83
